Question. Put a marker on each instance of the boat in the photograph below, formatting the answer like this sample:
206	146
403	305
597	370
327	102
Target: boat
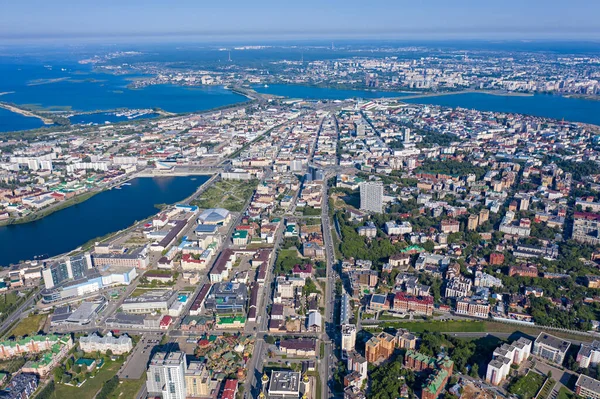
125	184
266	86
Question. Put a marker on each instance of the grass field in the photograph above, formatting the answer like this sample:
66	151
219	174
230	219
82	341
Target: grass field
12	365
7	299
492	326
127	388
89	389
564	393
527	386
437	326
29	326
228	194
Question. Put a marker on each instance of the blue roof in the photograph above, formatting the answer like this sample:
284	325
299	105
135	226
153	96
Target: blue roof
206	228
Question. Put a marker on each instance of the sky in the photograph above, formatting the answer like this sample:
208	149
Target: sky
37	20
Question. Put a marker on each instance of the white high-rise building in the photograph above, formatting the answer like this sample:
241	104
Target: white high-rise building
407	135
371	196
348	338
166	375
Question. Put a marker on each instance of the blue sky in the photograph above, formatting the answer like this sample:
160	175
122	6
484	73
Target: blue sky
371	19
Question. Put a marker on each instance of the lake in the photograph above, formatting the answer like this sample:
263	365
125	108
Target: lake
107	212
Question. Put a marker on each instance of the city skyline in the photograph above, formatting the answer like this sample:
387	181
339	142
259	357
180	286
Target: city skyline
40	21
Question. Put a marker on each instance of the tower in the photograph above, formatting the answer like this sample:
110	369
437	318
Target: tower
371	196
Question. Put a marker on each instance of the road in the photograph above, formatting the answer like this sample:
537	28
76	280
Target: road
329	361
14	316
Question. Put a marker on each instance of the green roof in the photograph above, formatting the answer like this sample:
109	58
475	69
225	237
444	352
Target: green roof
231	320
240	234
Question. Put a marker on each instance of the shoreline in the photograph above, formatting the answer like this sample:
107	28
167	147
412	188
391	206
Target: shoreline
81	198
24	112
113	234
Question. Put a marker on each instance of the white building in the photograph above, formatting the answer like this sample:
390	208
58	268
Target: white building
371	196
117	346
348	338
589	354
166	375
393	228
505	356
550	347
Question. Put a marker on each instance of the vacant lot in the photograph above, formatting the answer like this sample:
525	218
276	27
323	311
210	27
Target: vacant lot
30	325
127	388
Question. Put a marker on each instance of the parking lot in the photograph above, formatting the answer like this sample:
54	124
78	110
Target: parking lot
137	362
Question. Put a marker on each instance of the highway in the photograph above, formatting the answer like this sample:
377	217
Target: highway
14	316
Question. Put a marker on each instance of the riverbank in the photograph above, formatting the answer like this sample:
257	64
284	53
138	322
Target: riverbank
110	211
24	112
78	199
42	213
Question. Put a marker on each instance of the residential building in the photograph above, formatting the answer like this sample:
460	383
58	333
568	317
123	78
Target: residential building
551	348
371	196
21	386
197	380
166	375
95	343
586	227
407	303
440	370
504	356
449	226
589	354
473	222
348	338
587	387
34	344
473	307
458	287
382	346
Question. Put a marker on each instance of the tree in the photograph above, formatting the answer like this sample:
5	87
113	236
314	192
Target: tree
58	373
474	371
269	339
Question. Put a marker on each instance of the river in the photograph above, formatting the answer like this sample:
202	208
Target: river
78	88
549	106
107	212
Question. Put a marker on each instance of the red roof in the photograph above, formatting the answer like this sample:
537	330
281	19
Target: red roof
400	296
587	215
166	320
302	269
230	389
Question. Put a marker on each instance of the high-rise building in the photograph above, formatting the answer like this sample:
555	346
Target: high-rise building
69	268
166	375
348	338
371	196
406	135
